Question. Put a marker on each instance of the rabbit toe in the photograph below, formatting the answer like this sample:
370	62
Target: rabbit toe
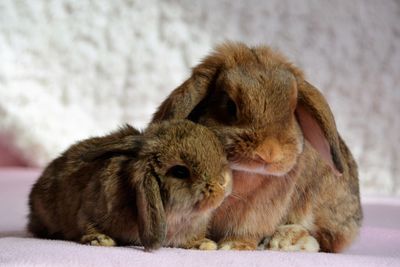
237	245
208	245
293	237
202	244
98	240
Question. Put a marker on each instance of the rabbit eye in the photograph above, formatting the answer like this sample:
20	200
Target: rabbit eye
179	171
225	110
231	108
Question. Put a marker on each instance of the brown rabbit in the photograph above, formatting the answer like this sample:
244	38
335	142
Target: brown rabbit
156	188
293	176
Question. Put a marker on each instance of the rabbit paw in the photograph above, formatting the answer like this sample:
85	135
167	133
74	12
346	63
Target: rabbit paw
237	245
203	244
293	237
98	240
207	244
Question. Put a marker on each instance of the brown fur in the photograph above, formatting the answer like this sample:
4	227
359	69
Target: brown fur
290	165
121	188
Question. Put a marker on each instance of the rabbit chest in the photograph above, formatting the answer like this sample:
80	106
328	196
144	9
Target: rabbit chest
257	205
181	229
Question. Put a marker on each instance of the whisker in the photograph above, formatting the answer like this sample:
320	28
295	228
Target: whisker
234	195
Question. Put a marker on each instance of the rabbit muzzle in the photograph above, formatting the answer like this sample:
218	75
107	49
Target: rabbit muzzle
269	158
270	150
258	167
215	192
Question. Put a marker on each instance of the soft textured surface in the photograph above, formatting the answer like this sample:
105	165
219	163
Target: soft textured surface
378	244
70	69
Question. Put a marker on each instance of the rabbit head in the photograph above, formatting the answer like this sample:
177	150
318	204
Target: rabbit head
260	105
191	165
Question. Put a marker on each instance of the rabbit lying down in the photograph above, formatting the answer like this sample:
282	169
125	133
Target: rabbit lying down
156	188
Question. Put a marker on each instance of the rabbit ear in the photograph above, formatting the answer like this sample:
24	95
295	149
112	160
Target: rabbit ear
182	101
318	125
151	215
128	145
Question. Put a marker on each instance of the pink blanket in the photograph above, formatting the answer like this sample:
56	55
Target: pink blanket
377	245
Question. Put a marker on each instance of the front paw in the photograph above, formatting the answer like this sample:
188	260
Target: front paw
98	240
293	237
237	245
202	244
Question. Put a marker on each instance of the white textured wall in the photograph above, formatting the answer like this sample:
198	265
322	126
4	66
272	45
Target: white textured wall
71	69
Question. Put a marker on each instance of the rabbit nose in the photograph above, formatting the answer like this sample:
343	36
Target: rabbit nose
269	151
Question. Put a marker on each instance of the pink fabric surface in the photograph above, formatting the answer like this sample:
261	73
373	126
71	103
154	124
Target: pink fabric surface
377	245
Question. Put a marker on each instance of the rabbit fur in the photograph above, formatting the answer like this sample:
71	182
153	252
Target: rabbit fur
155	188
295	182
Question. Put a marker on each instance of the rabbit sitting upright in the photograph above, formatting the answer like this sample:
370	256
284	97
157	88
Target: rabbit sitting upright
156	188
294	178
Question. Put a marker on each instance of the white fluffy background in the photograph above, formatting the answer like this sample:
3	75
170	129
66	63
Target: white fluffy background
70	69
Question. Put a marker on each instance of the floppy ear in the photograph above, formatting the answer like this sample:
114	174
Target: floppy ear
128	145
318	125
181	102
151	215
